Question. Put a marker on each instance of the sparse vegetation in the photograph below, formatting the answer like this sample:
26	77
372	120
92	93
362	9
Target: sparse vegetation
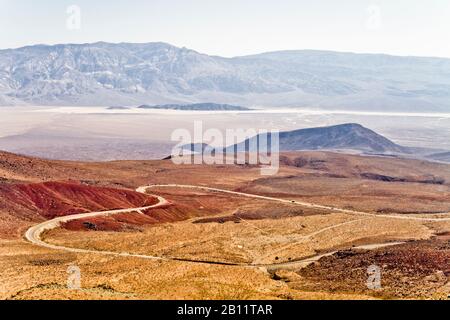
211	226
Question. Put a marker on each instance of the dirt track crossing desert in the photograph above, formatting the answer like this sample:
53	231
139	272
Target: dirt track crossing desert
34	233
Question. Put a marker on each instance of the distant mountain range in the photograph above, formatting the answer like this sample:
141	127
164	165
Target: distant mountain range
196	107
349	137
106	74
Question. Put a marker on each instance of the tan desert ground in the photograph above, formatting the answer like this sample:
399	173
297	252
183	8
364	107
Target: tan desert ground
310	232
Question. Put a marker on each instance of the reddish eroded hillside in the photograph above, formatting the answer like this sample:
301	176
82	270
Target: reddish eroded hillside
15	168
133	221
52	199
184	205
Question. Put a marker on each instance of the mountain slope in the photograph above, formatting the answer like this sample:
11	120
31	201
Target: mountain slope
346	136
52	199
158	73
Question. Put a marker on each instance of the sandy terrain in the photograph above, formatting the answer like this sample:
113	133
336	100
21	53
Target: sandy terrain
205	228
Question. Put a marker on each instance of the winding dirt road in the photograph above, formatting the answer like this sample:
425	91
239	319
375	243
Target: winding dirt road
34	234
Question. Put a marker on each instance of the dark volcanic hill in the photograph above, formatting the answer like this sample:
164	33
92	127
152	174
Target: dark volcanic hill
347	137
442	156
196	107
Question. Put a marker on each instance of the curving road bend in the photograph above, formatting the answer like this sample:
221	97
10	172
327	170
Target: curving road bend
300	264
34	234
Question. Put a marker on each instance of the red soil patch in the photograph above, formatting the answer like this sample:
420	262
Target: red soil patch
133	221
53	199
182	208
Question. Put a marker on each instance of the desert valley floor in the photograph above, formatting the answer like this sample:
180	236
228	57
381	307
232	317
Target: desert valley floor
211	244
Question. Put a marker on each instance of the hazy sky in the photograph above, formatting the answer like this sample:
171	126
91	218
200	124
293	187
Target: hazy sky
236	27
